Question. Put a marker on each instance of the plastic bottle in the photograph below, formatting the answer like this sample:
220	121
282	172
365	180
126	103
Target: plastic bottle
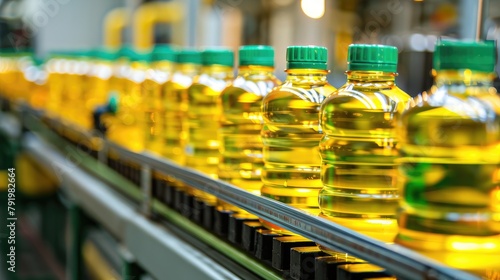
121	69
127	128
291	131
36	76
77	82
163	58
99	77
55	82
240	161
203	114
359	146
450	159
175	104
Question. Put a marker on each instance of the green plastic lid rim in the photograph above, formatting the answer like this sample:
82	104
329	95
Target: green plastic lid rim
307	57
224	57
306	65
259	55
383	67
372	57
188	56
459	55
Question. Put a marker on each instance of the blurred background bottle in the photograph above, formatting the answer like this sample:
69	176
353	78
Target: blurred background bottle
175	103
55	81
291	131
450	158
359	146
240	161
100	77
203	114
162	66
127	127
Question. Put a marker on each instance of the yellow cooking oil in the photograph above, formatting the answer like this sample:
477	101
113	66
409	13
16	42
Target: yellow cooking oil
240	161
450	162
4	71
127	127
77	88
174	93
25	67
36	76
291	131
202	118
359	146
121	69
10	72
162	65
55	82
15	63
69	86
99	78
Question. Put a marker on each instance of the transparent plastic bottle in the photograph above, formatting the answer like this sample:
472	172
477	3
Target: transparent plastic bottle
127	127
99	77
77	81
121	69
359	146
450	159
163	58
55	82
240	161
69	86
203	114
36	76
175	104
291	131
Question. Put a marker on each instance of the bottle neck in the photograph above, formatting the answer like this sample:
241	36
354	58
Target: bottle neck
218	71
188	69
307	76
163	65
463	78
255	70
139	65
371	76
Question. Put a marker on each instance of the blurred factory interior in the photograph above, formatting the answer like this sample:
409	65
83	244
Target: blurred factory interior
45	27
412	26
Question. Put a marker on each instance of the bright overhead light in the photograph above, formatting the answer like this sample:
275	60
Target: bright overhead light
313	8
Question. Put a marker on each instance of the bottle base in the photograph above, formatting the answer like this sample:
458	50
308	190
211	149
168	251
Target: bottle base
476	254
384	230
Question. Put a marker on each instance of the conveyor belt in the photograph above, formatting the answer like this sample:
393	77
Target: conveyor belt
397	260
149	243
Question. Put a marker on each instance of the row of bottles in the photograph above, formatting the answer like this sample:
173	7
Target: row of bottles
365	156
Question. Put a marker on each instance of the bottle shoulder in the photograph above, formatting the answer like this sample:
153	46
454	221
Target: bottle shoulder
373	96
307	93
258	87
180	80
441	103
216	84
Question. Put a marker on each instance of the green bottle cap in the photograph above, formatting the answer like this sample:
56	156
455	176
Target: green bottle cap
142	56
454	55
164	52
189	56
106	54
256	55
83	54
125	51
306	57
372	58
223	57
38	62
